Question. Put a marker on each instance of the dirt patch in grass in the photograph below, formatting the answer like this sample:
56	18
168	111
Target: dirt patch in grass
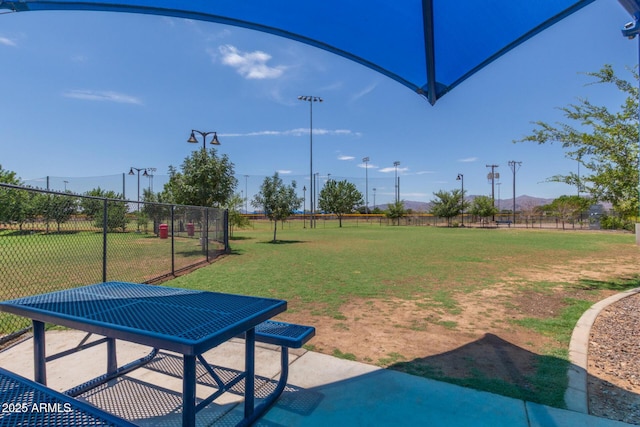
480	336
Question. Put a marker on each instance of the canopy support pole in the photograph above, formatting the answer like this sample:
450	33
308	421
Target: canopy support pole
631	30
430	51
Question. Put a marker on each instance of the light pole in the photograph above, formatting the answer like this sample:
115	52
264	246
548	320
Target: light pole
205	220
131	172
150	176
304	196
65	185
492	176
314	195
366	183
461	179
138	170
311	99
514	165
397	183
192	139
246	195
374	199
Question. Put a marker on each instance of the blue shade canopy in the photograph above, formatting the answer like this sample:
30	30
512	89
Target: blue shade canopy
430	46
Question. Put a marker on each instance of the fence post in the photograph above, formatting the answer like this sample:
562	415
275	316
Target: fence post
205	244
226	230
104	240
173	247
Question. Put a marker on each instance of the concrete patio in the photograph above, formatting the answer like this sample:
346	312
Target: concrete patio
323	390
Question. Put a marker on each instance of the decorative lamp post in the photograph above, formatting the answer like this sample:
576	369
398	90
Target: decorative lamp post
131	172
461	179
311	100
192	139
205	220
138	170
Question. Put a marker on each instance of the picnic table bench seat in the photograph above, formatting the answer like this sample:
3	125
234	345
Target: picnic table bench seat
30	404
284	334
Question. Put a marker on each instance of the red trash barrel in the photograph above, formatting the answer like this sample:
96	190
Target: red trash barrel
190	229
164	231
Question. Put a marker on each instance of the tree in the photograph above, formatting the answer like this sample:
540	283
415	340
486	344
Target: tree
13	202
568	208
57	208
277	200
395	211
448	204
339	198
483	207
236	219
603	142
116	209
204	180
153	208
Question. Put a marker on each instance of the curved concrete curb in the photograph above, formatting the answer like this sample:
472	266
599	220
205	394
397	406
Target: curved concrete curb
576	397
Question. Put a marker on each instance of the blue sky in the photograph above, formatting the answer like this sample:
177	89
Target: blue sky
87	95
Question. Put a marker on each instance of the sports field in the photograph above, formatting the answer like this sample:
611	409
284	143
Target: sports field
492	309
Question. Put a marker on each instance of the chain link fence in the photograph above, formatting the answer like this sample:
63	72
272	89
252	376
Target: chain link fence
51	241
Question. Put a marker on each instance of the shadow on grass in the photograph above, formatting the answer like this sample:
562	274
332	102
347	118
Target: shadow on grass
494	365
622	284
240	238
43	232
282	242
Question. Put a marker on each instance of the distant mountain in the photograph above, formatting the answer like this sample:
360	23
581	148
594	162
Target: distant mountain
522	202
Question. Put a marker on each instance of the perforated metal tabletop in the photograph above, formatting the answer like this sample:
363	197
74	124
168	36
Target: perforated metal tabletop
185	321
182	320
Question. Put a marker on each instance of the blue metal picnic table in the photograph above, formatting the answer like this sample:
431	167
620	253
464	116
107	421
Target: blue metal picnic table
185	321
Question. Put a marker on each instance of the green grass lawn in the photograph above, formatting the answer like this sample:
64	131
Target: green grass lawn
320	271
431	270
327	266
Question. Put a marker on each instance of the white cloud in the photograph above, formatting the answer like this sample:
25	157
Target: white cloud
91	95
294	132
367	90
79	58
343	157
368	166
424	172
393	169
284	172
250	65
7	41
468	160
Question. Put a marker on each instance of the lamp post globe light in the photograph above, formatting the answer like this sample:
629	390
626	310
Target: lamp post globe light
461	179
311	99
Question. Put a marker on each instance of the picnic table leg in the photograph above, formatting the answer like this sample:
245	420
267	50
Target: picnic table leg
112	361
39	354
189	392
250	368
